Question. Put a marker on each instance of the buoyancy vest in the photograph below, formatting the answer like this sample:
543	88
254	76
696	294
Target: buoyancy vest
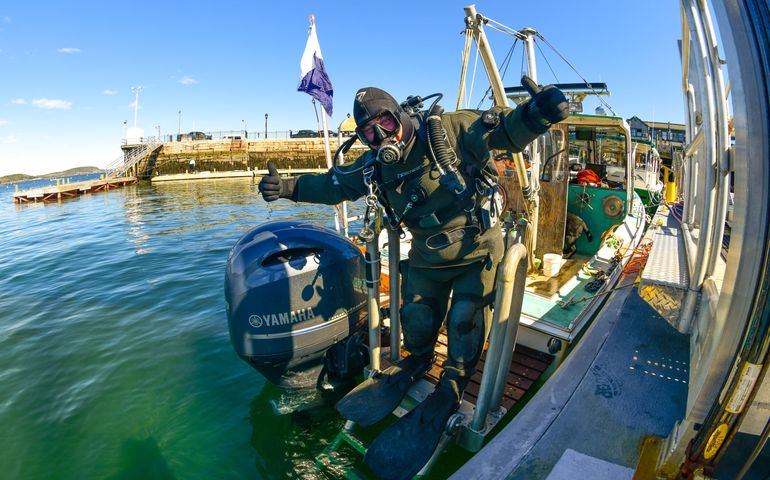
446	230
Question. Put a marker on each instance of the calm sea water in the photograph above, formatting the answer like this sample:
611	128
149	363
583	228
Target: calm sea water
115	359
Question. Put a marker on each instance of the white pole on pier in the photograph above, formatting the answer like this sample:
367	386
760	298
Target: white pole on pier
328	153
136	91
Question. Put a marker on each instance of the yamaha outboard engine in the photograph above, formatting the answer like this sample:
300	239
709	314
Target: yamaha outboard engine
296	303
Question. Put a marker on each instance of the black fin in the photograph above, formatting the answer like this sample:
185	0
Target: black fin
402	449
377	397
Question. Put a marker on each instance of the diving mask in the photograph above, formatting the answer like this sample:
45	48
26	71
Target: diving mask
379	128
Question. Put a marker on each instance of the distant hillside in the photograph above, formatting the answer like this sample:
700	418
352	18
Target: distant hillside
73	171
20	177
16	177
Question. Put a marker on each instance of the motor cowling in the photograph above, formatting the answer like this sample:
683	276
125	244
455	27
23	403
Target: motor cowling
292	291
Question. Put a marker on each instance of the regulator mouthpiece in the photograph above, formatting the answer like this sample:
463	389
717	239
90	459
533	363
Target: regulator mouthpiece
389	153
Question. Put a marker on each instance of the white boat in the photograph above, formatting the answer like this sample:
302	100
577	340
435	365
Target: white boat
688	383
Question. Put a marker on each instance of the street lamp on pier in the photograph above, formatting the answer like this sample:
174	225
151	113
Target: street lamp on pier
245	131
265	126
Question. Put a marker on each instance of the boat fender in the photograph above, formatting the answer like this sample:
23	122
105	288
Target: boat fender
554	345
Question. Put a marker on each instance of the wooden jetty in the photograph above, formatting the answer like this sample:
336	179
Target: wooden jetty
69	190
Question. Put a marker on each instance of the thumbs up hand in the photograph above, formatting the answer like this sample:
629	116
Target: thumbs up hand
272	186
547	106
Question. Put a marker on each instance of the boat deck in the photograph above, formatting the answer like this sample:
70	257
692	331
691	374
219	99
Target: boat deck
543	293
625	380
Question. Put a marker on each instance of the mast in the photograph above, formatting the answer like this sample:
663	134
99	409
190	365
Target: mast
534	147
498	94
466	55
529	44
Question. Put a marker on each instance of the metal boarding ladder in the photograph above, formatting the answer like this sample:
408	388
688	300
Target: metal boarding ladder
471	424
124	163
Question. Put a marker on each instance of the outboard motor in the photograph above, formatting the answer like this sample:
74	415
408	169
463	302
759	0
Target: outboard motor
293	291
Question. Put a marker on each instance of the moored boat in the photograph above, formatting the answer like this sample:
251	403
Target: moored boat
549	312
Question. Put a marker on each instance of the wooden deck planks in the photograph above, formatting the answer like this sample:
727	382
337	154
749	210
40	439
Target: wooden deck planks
59	192
527	365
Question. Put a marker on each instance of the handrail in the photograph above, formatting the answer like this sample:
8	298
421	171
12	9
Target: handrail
373	303
122	164
512	274
394	258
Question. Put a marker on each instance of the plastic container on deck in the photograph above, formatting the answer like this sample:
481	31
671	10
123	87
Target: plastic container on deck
551	264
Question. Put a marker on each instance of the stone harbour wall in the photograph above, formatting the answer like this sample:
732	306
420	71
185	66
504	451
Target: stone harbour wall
229	155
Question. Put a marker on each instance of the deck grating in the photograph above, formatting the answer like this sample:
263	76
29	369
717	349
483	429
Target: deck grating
526	368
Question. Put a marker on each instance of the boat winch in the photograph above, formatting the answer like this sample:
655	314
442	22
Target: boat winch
295	296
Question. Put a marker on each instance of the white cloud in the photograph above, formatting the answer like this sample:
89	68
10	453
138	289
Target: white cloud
3	122
187	80
8	139
110	92
52	104
68	50
18	101
6	19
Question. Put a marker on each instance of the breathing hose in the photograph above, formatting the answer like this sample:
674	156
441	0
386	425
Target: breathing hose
443	156
344	149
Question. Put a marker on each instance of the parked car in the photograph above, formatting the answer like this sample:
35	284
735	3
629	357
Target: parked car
304	134
192	136
199	136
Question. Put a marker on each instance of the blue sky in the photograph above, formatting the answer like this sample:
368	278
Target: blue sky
67	68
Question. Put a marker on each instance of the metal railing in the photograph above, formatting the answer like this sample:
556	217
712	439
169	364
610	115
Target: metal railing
121	165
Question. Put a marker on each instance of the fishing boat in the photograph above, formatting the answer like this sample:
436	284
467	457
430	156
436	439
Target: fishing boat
647	175
647	182
563	354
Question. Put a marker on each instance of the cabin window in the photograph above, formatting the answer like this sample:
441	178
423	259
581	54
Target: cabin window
601	150
554	166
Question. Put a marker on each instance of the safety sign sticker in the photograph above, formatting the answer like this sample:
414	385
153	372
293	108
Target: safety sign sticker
748	378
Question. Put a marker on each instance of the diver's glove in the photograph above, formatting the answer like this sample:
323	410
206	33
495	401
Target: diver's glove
547	106
272	186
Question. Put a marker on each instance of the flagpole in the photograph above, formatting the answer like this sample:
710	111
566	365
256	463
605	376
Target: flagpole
312	71
328	153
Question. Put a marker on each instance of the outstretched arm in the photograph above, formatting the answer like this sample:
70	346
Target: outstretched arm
326	188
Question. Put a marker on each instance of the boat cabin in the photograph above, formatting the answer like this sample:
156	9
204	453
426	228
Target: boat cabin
588	216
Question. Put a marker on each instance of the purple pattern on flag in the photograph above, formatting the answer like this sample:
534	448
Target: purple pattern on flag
317	84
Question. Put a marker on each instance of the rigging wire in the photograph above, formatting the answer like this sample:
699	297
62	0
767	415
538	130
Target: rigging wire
473	75
495	25
588	84
547	62
506	63
510	31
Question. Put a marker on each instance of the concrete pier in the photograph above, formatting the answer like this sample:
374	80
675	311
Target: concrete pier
231	174
239	155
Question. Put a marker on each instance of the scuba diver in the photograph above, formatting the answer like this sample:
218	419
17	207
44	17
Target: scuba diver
432	172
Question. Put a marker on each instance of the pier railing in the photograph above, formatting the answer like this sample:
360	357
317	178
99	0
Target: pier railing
124	163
